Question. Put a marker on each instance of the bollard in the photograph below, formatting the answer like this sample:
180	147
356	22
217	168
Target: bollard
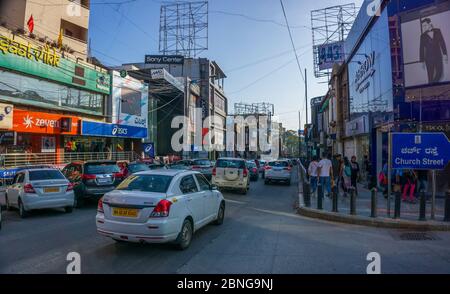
307	194
423	206
373	208
398	201
335	199
352	201
319	197
447	208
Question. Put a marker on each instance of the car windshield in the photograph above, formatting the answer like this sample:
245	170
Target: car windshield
279	163
135	168
230	164
202	162
99	168
146	183
251	164
42	175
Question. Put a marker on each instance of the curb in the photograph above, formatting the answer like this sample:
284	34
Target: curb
373	222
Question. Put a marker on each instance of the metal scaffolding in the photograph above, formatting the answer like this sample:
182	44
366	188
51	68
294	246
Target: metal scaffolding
183	28
329	25
254	109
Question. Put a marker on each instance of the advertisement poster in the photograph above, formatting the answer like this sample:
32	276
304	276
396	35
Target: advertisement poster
6	116
48	145
130	102
426	41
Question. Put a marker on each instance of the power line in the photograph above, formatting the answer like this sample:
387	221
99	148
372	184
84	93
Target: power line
292	40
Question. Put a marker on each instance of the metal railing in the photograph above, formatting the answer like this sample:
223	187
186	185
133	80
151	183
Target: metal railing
11	160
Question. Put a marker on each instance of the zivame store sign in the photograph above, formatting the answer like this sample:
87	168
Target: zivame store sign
46	63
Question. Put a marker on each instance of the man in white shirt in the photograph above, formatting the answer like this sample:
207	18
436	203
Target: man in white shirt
325	173
312	172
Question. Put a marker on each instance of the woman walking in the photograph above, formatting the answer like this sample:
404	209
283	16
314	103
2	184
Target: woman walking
346	174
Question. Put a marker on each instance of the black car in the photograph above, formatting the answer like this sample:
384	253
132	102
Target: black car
253	169
92	179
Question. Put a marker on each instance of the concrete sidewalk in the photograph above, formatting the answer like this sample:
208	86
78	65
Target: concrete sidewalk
408	211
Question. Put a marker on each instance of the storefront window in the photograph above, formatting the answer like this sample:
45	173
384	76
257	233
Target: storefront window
82	144
20	88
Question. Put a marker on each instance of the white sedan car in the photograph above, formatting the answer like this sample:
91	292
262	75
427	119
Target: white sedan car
160	206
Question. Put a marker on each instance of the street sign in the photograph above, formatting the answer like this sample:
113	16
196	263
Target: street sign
428	151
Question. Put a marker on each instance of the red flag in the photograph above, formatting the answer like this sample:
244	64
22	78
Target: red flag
30	24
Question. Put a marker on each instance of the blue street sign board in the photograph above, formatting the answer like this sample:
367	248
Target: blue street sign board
428	151
149	149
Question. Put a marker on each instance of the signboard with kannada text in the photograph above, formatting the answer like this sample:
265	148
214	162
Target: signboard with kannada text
427	151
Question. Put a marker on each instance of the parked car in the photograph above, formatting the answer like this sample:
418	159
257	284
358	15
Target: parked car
181	165
160	206
253	169
0	217
231	173
129	168
39	189
153	164
92	179
262	164
204	166
278	171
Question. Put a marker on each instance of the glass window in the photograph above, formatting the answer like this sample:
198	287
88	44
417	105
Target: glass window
105	168
202	162
51	174
43	93
146	183
188	185
202	182
230	163
279	163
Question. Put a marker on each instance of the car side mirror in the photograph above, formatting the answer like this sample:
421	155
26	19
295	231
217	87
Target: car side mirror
214	188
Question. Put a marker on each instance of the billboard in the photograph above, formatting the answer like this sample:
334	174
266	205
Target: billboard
329	54
129	101
426	41
6	116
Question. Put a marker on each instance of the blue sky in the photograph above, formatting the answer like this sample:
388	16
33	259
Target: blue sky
125	33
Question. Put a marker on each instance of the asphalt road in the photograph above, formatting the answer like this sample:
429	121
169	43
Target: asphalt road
261	234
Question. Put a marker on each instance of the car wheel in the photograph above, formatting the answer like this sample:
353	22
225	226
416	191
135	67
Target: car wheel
68	209
220	215
22	212
185	237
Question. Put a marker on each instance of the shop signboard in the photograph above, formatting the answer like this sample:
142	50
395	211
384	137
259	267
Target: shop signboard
129	101
44	123
149	149
329	54
98	129
6	116
428	151
45	62
164	59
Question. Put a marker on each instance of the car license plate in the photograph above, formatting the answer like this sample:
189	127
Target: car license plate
125	212
51	190
103	181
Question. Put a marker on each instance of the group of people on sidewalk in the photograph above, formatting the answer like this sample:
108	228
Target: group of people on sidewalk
336	172
407	182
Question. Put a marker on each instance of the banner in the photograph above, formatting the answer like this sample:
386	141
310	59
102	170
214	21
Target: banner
112	130
6	116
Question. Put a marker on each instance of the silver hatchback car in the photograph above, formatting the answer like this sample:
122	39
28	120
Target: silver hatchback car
278	171
39	189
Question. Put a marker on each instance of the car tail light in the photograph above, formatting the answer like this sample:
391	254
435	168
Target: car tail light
214	171
70	187
89	177
100	206
196	167
245	173
254	170
162	209
267	167
28	188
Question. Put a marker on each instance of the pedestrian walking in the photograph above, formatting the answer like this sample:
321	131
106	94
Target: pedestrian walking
383	180
355	174
366	169
325	171
337	161
312	172
422	181
409	181
346	174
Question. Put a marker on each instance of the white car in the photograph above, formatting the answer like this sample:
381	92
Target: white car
160	206
278	171
39	189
